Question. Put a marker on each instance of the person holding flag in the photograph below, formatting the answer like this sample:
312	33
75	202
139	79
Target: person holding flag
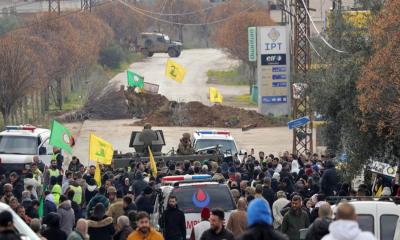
60	138
101	152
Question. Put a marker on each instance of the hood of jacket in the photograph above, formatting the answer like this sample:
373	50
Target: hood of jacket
66	205
56	189
91	188
259	212
344	229
99	224
50	198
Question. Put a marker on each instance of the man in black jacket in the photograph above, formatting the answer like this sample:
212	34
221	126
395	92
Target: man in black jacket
139	184
259	222
329	179
320	227
267	192
145	201
18	185
217	230
173	221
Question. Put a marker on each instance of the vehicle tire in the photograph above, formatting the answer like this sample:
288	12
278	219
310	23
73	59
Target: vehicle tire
150	54
178	53
172	52
145	52
148	43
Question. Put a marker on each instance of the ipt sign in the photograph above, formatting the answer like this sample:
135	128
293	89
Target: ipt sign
274	36
274	40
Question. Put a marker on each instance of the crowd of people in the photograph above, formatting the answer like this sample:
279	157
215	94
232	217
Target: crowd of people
276	196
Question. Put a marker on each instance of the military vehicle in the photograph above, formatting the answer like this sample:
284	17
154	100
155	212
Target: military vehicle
150	43
122	160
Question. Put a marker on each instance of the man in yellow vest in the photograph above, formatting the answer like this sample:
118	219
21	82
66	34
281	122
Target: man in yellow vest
78	192
52	171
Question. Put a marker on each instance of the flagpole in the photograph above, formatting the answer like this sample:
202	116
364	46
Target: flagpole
373	186
90	137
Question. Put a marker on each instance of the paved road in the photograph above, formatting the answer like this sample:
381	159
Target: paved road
117	132
194	87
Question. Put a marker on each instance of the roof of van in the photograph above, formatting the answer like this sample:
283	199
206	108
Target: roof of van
29	133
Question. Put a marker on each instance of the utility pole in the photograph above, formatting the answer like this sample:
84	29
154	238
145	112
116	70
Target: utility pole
54	7
284	12
86	5
302	136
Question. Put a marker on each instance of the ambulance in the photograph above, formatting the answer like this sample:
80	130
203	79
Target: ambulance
193	192
20	144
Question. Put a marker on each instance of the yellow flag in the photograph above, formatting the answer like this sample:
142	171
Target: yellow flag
215	95
97	175
100	151
153	165
174	71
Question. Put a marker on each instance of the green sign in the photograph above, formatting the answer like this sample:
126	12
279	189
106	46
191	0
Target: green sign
252	43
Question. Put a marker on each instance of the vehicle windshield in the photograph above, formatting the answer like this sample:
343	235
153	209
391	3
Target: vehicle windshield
166	38
18	145
226	145
191	199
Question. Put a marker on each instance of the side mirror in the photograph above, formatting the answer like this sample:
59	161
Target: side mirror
42	151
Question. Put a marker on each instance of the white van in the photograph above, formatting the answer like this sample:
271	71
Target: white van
19	144
378	217
193	193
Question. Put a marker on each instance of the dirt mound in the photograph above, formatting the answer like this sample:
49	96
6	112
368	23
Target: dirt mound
158	110
108	105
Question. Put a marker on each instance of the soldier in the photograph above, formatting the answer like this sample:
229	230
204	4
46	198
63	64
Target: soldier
147	136
185	146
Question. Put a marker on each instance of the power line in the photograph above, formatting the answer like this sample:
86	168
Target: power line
319	33
309	41
58	17
177	14
163	6
184	24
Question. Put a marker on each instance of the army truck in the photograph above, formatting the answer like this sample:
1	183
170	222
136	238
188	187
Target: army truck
122	160
150	43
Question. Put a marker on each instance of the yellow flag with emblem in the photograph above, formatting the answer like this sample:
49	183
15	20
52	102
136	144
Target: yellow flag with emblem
153	165
215	95
100	150
174	71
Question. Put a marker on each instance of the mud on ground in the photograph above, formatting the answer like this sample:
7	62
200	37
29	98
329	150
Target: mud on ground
158	110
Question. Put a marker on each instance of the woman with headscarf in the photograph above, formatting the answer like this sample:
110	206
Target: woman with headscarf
101	226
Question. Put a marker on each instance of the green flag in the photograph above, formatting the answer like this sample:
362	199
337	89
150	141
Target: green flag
135	80
60	137
41	207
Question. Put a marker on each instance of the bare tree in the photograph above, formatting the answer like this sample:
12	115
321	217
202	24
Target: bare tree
17	73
